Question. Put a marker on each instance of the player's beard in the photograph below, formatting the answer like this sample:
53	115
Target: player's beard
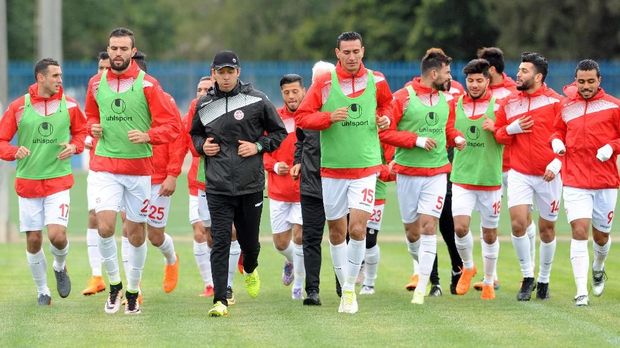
525	85
122	67
443	86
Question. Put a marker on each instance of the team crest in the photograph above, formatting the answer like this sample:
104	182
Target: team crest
238	115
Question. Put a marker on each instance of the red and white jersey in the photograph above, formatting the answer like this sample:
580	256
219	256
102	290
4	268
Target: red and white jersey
192	176
584	126
282	187
501	91
529	153
168	158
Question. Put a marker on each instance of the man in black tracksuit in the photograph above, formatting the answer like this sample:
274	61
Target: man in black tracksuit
308	155
232	126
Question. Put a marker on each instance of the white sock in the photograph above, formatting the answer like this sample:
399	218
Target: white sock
490	253
579	258
482	242
167	249
94	256
600	255
522	248
288	252
233	259
125	254
413	248
60	257
547	251
38	268
372	257
202	253
531	234
137	258
355	255
465	247
298	266
427	254
339	259
107	249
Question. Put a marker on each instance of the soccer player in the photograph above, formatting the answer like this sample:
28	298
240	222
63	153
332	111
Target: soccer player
95	283
589	125
307	171
423	128
127	111
283	190
233	126
50	128
477	177
167	162
501	86
199	216
348	105
525	122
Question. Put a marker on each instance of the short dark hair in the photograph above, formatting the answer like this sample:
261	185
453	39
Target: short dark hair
123	32
588	64
494	56
41	66
538	60
435	58
291	78
349	36
477	66
103	55
140	59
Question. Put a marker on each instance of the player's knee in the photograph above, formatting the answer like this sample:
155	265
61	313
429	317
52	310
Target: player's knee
155	237
519	226
600	238
34	242
281	241
461	229
547	231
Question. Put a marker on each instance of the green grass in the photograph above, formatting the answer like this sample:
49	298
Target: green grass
273	319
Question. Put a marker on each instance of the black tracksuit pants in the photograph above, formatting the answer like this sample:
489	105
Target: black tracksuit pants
313	215
245	212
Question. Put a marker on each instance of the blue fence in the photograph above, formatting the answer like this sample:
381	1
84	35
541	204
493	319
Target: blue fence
180	78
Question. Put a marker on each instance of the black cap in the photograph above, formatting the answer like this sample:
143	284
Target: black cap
225	58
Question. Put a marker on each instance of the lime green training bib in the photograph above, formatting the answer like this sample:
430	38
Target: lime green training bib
42	135
425	121
119	113
480	162
354	142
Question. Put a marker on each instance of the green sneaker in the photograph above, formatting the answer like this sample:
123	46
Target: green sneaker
218	310
252	283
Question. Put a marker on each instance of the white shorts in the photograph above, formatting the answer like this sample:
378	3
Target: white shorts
420	195
199	209
90	191
284	215
159	208
504	181
36	213
597	205
376	217
340	195
522	188
114	191
488	203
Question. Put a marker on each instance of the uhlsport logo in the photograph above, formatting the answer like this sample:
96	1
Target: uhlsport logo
118	106
432	119
473	133
45	129
355	111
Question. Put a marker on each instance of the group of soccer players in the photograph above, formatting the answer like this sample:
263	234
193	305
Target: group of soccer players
353	135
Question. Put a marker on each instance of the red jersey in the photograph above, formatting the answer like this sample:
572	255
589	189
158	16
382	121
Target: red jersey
31	188
529	153
283	187
406	138
501	91
164	119
309	115
168	158
192	176
584	126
